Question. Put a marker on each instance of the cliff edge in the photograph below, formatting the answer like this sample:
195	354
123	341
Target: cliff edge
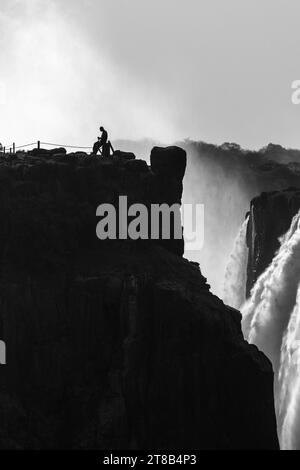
115	344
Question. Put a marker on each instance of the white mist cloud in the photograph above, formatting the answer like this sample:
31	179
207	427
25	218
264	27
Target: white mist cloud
236	272
206	69
59	88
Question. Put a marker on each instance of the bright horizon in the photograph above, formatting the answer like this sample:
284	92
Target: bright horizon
161	70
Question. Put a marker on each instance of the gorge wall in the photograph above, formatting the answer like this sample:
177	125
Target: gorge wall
271	215
115	344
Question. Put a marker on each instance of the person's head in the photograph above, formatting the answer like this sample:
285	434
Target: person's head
101	128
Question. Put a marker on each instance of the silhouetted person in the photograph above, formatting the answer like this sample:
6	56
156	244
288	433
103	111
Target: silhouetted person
101	141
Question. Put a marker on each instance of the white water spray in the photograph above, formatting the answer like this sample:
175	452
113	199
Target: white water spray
271	320
289	379
236	271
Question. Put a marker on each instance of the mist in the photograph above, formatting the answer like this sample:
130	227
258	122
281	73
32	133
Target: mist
58	87
225	179
220	186
149	73
236	272
148	70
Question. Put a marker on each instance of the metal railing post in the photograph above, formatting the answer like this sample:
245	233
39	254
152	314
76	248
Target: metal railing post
38	144
14	148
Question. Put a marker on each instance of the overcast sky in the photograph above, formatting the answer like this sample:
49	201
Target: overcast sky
213	70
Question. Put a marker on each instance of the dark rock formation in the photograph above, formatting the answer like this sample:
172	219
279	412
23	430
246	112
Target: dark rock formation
137	166
124	155
47	153
162	159
271	215
115	344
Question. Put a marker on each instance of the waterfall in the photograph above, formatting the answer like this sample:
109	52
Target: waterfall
271	321
289	378
234	293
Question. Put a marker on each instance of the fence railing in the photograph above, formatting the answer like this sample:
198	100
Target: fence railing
12	148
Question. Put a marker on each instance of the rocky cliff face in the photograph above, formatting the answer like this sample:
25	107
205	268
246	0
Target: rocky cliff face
115	344
271	215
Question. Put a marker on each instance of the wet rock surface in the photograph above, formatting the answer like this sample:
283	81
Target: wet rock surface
271	215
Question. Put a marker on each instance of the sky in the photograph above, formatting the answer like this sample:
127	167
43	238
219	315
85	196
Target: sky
211	70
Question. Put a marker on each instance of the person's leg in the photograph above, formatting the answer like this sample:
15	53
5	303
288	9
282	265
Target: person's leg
105	151
96	148
101	149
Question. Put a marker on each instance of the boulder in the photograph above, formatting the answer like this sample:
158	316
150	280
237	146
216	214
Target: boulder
124	155
169	161
137	166
40	152
58	151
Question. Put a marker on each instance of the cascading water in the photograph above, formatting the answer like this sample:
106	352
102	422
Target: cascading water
271	320
236	271
289	378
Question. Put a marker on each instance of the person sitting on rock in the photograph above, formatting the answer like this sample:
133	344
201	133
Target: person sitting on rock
101	141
